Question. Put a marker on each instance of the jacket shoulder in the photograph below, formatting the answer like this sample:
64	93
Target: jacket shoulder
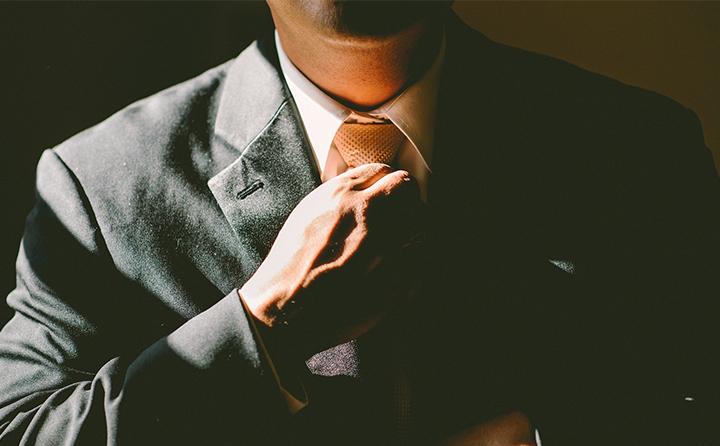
131	165
146	129
582	113
561	84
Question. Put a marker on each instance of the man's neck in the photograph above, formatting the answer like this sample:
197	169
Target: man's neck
362	74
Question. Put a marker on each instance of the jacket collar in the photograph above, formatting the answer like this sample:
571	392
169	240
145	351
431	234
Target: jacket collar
275	169
252	94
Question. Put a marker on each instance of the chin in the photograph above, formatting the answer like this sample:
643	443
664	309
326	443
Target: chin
378	19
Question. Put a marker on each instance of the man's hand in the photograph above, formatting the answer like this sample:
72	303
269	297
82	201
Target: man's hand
327	277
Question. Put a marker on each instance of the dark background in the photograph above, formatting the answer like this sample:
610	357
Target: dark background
66	66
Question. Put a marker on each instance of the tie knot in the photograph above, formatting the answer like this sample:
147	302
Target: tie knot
363	143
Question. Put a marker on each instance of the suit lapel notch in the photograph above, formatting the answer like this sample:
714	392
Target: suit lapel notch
275	168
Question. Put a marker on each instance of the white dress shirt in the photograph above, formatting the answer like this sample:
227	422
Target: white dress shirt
412	111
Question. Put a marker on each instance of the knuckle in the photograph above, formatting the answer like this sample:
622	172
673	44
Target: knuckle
341	190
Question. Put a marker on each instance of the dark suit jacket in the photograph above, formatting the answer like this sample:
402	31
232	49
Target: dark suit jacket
573	259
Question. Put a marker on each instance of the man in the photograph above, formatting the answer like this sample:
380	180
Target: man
422	236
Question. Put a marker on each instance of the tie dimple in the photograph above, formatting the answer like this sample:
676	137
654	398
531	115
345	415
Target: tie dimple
360	143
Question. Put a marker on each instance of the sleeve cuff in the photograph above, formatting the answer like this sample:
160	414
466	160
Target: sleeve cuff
297	399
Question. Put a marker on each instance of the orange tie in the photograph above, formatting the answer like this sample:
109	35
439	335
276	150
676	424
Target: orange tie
363	143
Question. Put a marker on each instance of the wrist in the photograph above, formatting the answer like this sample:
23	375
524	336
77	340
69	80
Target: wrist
272	305
260	302
268	321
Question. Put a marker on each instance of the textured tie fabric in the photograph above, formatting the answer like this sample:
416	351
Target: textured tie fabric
363	143
341	360
361	388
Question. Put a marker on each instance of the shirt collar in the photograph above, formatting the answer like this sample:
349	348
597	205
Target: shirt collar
412	110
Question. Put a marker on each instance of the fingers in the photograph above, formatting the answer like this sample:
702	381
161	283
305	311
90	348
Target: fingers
376	179
363	176
389	183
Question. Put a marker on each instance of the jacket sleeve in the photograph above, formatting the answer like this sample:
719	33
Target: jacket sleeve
73	368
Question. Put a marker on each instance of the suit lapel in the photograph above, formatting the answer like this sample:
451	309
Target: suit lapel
275	168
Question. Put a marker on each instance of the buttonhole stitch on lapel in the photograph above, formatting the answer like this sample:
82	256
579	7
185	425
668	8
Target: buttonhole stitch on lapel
251	188
565	265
